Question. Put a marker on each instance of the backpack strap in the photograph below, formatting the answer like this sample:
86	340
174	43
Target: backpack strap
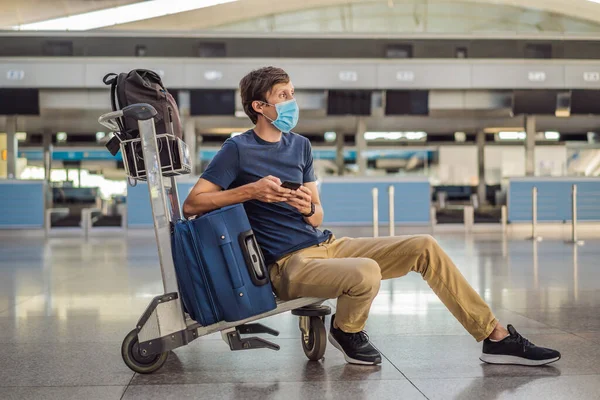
111	79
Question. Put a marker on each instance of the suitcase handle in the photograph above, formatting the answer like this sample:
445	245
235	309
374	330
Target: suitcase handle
232	267
255	261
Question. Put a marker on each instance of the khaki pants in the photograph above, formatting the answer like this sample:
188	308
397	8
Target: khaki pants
351	270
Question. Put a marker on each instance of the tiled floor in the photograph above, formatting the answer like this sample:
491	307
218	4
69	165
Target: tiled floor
65	306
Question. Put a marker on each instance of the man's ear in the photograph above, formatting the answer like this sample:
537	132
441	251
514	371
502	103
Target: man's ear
258	106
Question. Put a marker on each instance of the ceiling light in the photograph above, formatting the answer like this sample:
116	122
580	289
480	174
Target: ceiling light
119	15
415	135
330	136
61	136
382	135
21	136
512	135
460	137
552	135
395	135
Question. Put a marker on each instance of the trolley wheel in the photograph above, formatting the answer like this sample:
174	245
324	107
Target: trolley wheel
137	362
314	345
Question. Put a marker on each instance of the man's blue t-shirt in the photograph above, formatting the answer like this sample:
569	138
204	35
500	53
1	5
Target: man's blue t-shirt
246	158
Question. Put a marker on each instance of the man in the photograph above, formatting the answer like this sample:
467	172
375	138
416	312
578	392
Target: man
307	262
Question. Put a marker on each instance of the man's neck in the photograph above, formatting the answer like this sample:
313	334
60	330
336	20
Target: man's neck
267	132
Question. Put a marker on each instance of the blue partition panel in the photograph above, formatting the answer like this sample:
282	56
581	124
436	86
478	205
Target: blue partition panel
554	199
21	204
346	201
350	201
139	211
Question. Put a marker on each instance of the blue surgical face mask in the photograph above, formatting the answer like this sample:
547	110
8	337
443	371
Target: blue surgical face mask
288	114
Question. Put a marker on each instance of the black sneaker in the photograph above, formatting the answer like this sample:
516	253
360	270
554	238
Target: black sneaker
515	349
356	346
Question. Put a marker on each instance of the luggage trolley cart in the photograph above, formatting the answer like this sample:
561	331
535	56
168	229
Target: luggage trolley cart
164	325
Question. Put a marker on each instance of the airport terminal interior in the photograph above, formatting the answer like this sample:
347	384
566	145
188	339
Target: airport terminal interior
475	123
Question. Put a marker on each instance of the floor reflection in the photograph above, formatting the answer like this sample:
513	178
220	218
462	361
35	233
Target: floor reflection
70	296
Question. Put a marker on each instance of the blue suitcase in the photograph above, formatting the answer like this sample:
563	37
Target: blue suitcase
220	268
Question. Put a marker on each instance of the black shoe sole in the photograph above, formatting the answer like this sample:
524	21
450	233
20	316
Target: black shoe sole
351	360
500	359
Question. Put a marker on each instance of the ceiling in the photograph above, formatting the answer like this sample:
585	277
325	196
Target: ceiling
205	19
15	12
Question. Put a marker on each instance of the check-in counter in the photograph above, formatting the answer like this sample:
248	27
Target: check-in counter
554	199
21	204
349	201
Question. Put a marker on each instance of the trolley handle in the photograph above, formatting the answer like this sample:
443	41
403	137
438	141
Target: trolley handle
138	112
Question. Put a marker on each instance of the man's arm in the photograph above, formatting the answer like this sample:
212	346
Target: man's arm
207	196
317	218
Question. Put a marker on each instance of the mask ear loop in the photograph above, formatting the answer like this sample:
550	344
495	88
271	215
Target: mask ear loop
270	105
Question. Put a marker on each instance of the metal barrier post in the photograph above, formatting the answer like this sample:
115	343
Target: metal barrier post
433	217
534	235
468	218
574	214
375	192
86	220
574	239
534	213
84	223
124	218
391	206
504	218
48	222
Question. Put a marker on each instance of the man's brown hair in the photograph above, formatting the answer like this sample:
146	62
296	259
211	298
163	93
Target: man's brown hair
257	84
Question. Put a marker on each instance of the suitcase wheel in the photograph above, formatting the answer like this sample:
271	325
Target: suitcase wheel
314	339
138	362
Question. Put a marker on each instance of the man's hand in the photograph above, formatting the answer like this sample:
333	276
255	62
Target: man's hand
301	200
269	190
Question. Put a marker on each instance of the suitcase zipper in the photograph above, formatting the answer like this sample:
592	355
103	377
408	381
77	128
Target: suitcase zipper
210	297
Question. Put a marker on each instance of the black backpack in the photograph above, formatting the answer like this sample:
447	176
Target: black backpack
141	86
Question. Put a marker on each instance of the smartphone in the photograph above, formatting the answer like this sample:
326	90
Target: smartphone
291	185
